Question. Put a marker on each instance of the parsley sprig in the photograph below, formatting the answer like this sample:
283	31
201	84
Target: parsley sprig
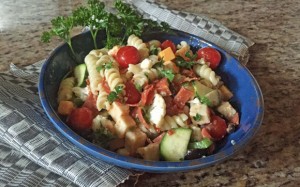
168	74
113	95
117	26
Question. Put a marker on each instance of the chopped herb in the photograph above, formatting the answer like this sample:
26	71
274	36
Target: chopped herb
113	95
154	50
204	100
191	56
197	117
168	74
183	63
119	89
108	65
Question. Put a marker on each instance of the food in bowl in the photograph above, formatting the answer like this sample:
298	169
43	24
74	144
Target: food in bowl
152	100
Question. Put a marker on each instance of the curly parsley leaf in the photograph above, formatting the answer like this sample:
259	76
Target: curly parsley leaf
191	56
179	61
168	74
113	95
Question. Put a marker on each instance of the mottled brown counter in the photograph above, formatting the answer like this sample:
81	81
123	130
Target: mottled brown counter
273	156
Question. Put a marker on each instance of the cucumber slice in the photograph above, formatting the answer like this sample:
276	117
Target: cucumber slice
173	146
80	74
202	144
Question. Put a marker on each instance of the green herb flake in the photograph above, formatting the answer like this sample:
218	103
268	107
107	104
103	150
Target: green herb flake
168	74
183	63
191	56
112	96
204	100
198	117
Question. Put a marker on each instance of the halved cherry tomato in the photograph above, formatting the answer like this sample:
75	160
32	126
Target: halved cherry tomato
132	94
217	128
128	55
210	55
168	43
81	119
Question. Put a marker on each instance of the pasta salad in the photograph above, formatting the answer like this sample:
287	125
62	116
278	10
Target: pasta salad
153	100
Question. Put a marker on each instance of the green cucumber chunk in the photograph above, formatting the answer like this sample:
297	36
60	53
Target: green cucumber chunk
80	74
202	144
174	144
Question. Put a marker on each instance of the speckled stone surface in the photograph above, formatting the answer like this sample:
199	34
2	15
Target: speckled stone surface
273	156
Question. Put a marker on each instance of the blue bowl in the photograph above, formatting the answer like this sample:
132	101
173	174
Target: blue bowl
248	100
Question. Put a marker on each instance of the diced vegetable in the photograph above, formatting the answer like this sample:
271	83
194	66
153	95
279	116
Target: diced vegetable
203	144
214	98
173	146
200	89
80	72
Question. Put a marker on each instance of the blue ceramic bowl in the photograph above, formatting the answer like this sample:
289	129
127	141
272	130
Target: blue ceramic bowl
248	100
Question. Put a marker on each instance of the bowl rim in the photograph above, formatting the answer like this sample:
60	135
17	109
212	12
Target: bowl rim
139	164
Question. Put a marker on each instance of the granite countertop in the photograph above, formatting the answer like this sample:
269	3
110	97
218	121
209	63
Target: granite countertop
273	156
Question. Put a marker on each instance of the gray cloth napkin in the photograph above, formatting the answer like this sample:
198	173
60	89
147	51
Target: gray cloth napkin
33	153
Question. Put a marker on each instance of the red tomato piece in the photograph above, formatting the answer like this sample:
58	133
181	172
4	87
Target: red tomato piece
90	103
183	96
162	87
168	43
132	94
210	55
128	55
81	119
148	95
217	128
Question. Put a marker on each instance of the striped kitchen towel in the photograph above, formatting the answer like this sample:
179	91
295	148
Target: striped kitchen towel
33	153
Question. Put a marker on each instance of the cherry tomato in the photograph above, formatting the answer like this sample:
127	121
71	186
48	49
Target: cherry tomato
210	55
217	128
128	55
168	43
132	94
81	119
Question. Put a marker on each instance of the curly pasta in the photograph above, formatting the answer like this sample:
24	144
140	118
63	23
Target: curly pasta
136	42
106	59
143	77
113	77
173	122
207	73
101	102
65	92
94	76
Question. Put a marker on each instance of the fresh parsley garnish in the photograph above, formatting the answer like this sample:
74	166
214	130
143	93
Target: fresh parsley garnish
168	74
191	56
183	63
113	95
117	26
198	117
108	65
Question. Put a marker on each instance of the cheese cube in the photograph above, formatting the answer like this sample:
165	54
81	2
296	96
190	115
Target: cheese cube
167	54
134	139
123	124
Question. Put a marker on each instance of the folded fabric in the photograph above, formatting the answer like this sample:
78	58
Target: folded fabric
33	153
